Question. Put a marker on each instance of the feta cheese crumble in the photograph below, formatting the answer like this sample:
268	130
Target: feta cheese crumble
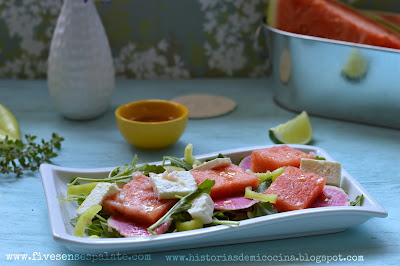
332	171
169	184
202	208
101	191
212	164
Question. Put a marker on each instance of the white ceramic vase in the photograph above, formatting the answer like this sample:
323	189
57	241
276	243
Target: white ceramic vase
80	76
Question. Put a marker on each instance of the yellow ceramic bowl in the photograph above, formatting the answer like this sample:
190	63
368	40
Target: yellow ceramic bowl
152	124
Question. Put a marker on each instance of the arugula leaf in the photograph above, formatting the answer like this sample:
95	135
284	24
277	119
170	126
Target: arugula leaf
319	158
181	216
73	221
230	215
184	204
220	155
78	199
124	170
95	228
261	209
147	168
99	226
175	161
264	185
358	201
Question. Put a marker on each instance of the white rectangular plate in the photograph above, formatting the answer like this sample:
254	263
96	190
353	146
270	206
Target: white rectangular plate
282	225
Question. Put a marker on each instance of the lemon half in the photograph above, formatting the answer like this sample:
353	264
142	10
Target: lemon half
8	125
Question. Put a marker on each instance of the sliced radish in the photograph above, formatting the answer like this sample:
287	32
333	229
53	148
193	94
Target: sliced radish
245	163
331	196
131	229
233	203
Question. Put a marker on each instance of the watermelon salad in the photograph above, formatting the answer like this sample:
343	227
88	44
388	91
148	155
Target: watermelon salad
139	200
335	20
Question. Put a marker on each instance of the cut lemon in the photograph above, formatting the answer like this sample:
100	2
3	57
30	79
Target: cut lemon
295	131
8	125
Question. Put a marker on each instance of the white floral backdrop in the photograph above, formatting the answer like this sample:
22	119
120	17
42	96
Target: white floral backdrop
153	39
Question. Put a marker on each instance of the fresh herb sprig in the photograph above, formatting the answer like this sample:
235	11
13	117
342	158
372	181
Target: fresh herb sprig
123	172
17	156
358	201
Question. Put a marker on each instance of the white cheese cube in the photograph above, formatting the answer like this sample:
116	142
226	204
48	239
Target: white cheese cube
169	184
98	194
202	208
332	171
212	164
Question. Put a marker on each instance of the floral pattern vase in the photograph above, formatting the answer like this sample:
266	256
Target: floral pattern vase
81	76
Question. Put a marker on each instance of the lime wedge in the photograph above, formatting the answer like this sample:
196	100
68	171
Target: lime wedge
356	65
8	124
295	131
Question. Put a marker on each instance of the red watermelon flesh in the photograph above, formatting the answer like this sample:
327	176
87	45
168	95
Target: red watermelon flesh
138	202
270	159
296	189
329	19
392	18
230	180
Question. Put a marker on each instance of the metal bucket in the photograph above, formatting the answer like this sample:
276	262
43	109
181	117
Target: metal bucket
311	74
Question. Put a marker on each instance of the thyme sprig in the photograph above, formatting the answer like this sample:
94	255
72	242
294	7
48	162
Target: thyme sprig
17	156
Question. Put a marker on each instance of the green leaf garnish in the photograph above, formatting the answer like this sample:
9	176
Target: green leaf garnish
359	200
123	172
264	185
150	168
178	162
261	209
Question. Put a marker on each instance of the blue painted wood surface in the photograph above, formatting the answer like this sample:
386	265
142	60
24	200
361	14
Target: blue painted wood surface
370	154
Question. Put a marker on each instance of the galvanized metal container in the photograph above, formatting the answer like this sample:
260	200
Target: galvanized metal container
308	74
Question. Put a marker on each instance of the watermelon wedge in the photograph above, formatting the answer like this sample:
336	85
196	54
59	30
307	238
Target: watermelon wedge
330	19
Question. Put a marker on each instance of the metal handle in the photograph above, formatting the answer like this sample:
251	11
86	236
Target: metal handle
264	50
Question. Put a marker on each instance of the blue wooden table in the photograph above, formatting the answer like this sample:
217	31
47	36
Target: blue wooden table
370	154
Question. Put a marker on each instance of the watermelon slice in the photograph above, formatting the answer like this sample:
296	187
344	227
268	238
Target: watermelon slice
138	202
296	189
270	159
329	19
230	180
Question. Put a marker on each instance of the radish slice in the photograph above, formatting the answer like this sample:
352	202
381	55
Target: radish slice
233	203
245	163
331	196
130	229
